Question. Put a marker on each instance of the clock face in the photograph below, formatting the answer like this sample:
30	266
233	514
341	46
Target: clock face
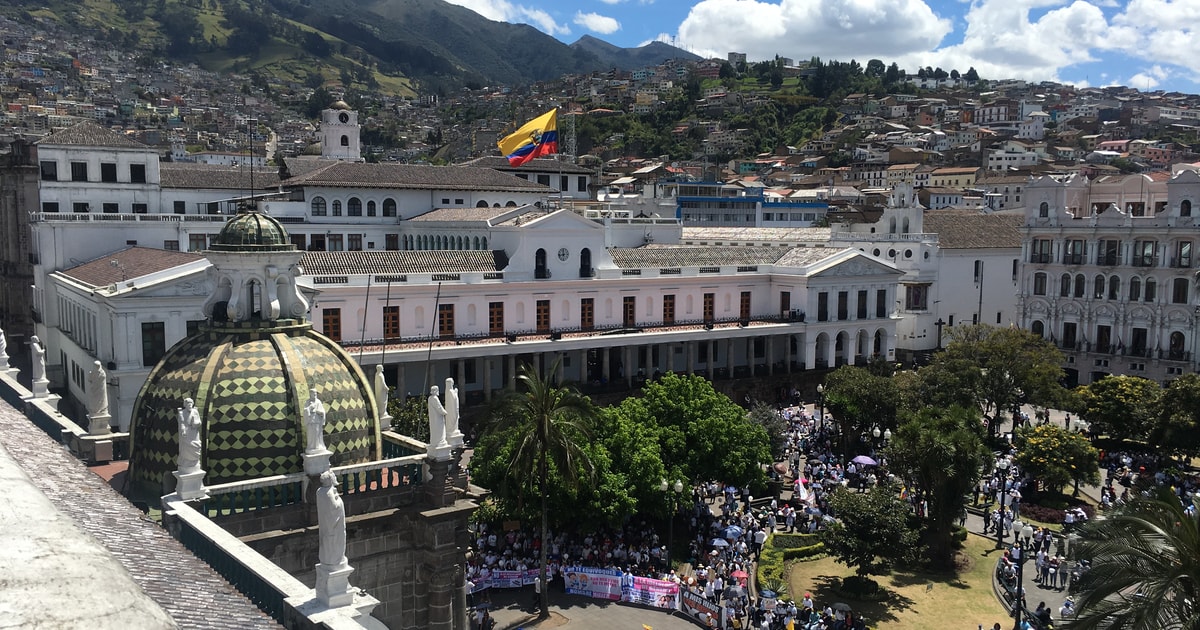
563	253
344	117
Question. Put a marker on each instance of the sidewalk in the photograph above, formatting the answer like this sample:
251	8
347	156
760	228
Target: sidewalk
513	609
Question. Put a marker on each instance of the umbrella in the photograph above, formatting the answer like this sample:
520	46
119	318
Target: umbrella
842	607
740	574
865	461
734	591
781	467
767	594
719	542
733	531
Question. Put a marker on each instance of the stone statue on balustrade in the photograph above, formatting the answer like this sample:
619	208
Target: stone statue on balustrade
331	519
37	355
381	398
3	350
314	423
438	447
453	435
189	437
97	401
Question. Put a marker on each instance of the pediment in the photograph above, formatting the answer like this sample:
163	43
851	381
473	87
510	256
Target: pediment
562	220
857	264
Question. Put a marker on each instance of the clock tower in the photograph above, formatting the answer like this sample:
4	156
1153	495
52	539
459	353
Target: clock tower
340	133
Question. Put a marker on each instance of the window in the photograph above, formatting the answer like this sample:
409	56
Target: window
629	318
180	207
881	303
50	206
862	305
140	208
1114	288
916	297
543	180
391	242
354	207
80	207
1179	291
446	321
1080	285
154	343
1040	252
1039	283
171	246
1075	252
823	306
1038	328
108	172
333	242
49	171
331	323
1109	253
1137	341
542	322
137	173
109	208
843	305
1104	338
744	306
563	182
669	309
391	322
710	302
1044	210
354	242
496	318
1143	253
79	171
337	207
1183	255
1185	208
1151	290
1135	289
1064	285
582	182
197	242
370	208
1098	285
587	314
345	141
1068	335
193	326
318	206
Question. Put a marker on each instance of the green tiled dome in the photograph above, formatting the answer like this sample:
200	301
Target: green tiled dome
251	230
250	381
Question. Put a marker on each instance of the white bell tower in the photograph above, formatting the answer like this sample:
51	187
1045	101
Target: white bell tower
340	133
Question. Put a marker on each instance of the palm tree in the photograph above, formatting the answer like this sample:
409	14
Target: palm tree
551	423
1145	572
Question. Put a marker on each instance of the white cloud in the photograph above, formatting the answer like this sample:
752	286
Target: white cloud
1162	31
1149	78
505	11
835	29
597	23
611	1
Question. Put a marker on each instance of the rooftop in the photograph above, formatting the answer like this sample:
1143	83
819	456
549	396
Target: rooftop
89	133
128	264
975	230
414	176
400	262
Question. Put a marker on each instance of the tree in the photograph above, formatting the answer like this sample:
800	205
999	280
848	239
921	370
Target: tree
859	400
1013	366
1121	407
1177	427
871	533
939	453
1055	456
893	74
875	69
971	75
550	426
1145	568
773	424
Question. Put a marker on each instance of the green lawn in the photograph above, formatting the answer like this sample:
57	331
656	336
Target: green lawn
917	601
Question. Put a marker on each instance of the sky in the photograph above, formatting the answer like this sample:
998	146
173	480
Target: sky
1145	44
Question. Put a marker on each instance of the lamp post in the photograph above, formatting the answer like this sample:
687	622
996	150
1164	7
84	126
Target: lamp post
939	323
672	491
821	401
1002	468
1023	534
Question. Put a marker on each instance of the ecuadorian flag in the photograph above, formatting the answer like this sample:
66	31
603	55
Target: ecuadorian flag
535	138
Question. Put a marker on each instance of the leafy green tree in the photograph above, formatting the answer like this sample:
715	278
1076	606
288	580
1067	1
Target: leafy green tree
1055	456
551	426
1177	427
1145	568
971	75
1013	366
875	69
859	401
409	417
872	533
1121	407
768	418
939	453
948	381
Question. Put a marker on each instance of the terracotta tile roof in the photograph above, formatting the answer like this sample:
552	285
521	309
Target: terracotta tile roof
418	176
650	256
973	230
183	175
400	262
805	256
91	134
131	263
538	164
481	215
804	235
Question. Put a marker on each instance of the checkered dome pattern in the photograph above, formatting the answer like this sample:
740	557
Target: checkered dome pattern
250	387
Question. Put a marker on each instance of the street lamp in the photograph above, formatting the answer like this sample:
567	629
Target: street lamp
1021	535
821	400
673	498
1002	467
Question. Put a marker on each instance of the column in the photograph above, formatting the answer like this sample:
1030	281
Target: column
606	365
401	390
583	366
787	352
770	355
810	353
729	357
691	357
510	374
487	378
749	354
627	355
460	378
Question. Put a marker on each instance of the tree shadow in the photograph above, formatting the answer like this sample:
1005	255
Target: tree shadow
825	591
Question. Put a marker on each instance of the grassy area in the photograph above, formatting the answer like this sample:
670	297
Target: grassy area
917	601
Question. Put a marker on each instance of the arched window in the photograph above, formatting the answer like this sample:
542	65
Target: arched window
904	226
539	264
389	207
1099	288
1151	290
585	263
337	207
892	225
484	241
370	208
482	204
1114	288
345	141
1044	210
1064	285
1185	208
1080	285
1039	283
318	206
1176	348
1135	289
510	204
476	242
354	207
1179	290
1038	328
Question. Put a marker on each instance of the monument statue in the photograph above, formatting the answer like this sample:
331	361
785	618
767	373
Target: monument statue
97	391
437	419
314	423
331	523
38	358
453	435
189	437
381	392
3	350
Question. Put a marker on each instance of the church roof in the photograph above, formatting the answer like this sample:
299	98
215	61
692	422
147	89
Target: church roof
252	231
413	176
130	263
974	230
653	255
462	215
88	133
393	262
200	176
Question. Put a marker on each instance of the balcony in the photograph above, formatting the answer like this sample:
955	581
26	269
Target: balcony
1039	258
1072	259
